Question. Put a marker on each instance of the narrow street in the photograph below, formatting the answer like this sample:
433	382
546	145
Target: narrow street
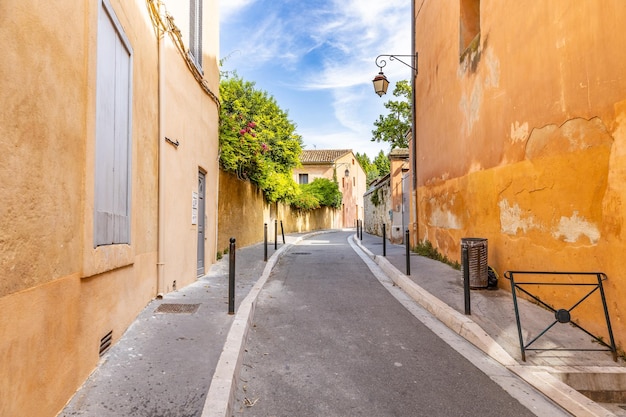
329	340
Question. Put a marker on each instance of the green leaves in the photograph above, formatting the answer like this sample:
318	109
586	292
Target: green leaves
258	142
393	127
320	192
382	163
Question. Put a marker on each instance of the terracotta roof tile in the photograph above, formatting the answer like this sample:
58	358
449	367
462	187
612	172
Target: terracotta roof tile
320	156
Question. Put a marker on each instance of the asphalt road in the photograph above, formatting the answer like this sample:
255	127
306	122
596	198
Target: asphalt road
329	340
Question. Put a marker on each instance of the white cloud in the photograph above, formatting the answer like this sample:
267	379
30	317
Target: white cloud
228	8
326	49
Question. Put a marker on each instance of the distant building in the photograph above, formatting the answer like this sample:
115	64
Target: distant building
109	167
400	193
340	165
388	199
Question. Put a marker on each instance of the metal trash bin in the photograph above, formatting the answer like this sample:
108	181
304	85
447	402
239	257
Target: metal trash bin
477	261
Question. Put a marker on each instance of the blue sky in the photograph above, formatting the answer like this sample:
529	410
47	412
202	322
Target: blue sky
316	58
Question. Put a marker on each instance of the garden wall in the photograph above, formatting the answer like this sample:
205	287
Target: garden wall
242	211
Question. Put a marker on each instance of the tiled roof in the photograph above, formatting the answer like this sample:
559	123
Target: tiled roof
322	155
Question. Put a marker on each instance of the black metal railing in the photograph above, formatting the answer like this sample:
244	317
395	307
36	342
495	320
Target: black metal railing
561	315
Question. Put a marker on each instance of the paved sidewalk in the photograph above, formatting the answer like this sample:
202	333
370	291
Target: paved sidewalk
492	328
164	363
185	364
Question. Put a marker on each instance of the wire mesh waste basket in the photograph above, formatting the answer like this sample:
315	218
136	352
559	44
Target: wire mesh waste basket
477	261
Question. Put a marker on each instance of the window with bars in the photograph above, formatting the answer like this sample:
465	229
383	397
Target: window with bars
303	178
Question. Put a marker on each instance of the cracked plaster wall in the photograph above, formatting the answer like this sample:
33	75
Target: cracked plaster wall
523	141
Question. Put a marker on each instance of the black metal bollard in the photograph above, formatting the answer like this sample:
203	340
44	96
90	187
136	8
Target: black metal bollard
358	226
384	239
466	280
231	277
408	252
361	230
275	234
282	231
265	242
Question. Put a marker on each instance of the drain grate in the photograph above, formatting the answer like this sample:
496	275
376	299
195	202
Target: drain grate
300	253
177	308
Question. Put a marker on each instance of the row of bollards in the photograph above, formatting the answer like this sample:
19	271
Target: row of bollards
282	231
359	229
231	261
407	246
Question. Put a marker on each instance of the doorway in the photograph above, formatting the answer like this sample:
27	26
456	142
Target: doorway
201	217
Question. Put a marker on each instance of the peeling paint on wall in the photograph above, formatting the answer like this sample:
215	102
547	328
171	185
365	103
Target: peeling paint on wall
444	219
573	135
512	219
519	133
574	228
472	99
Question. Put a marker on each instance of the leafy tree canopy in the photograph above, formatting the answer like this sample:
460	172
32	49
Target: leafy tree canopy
320	192
326	191
258	142
371	171
393	127
382	163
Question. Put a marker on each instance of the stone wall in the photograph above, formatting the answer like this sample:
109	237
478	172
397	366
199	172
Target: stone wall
377	203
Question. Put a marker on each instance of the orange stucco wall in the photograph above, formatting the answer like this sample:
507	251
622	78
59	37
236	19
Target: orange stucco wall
519	139
58	294
243	211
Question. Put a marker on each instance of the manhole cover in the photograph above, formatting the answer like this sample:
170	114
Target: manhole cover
177	308
300	253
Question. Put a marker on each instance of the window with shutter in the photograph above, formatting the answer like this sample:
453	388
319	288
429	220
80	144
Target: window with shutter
113	127
195	35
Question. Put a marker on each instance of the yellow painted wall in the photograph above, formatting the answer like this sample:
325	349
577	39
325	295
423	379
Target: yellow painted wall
521	140
243	212
58	294
191	119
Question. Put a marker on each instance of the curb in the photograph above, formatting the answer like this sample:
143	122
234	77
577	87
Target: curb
221	395
539	377
456	321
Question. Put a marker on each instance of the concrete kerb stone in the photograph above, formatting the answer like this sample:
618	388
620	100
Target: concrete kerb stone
221	395
456	321
559	392
540	378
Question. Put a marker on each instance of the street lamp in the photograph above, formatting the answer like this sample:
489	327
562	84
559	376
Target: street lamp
380	81
380	87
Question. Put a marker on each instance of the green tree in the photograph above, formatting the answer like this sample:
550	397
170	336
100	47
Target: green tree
382	163
371	171
258	142
326	191
393	127
320	192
